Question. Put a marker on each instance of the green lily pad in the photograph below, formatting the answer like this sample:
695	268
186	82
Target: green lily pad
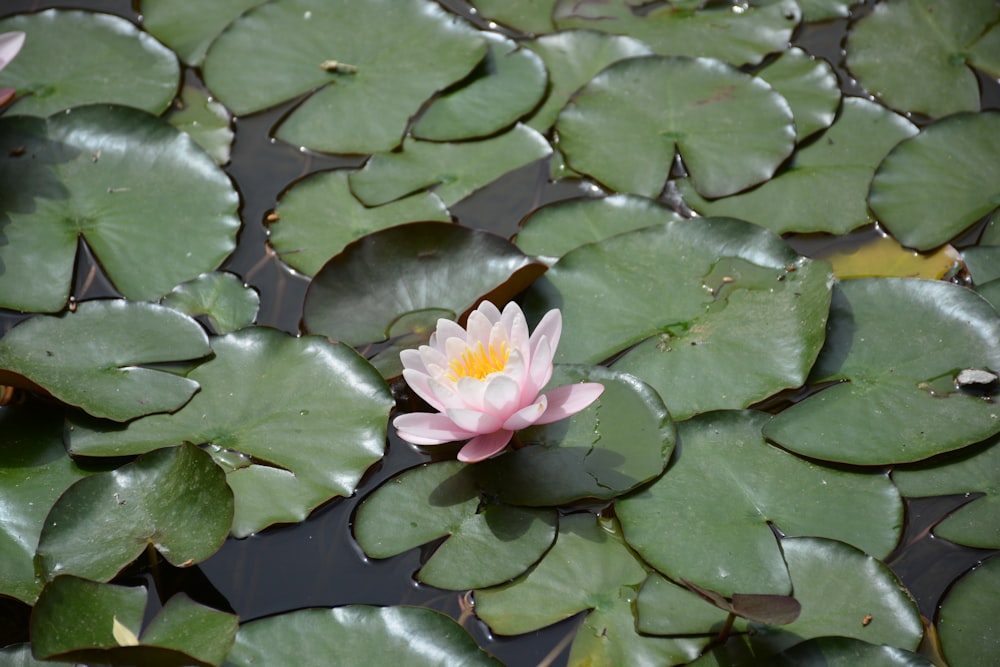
965	622
608	636
717	488
34	472
822	10
825	185
688	302
420	272
506	86
893	348
973	470
574	57
983	263
624	127
206	121
932	37
93	358
71	58
665	608
486	544
934	185
76	619
847	652
589	569
188	28
622	440
264	406
991	292
555	229
453	170
739	38
533	17
319	216
365	67
173	499
353	634
221	298
154	208
810	86
844	593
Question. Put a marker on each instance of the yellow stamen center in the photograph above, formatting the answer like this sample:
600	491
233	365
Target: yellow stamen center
478	362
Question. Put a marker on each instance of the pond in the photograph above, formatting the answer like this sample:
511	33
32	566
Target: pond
770	243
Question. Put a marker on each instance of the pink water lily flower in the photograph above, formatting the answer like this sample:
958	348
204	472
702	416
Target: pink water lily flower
10	45
484	381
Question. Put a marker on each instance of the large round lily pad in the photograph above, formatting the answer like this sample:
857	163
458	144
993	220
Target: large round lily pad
934	185
265	409
175	499
825	185
71	58
487	544
397	282
894	347
624	127
720	488
682	304
366	67
93	358
936	38
353	634
154	208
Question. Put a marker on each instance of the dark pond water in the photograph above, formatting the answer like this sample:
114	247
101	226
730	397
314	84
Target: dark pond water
315	563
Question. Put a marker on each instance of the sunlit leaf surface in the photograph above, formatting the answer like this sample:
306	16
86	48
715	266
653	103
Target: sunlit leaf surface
356	633
131	186
206	121
936	38
284	449
98	357
366	66
809	85
893	349
934	185
189	28
175	500
71	58
684	303
221	298
824	187
625	126
717	489
506	86
319	216
738	37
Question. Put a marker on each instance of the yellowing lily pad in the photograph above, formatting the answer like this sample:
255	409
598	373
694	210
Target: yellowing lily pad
883	256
